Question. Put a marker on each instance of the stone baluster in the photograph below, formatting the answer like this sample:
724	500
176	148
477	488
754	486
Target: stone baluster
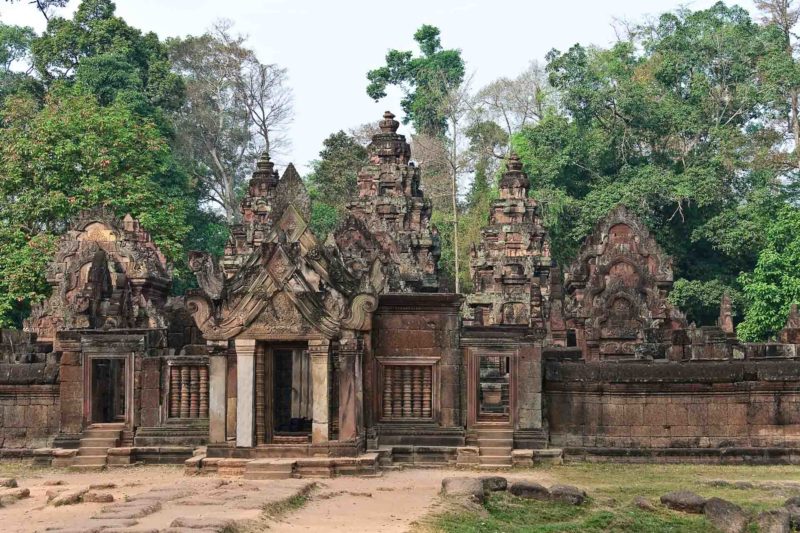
416	392
397	392
426	392
184	413
387	391
203	391
174	391
406	391
260	397
194	391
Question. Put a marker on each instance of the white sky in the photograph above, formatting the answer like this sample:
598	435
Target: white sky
328	46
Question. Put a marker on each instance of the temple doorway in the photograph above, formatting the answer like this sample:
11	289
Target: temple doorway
108	390
284	401
493	380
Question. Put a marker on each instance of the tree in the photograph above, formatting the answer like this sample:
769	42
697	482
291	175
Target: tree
45	7
678	123
783	14
15	43
774	284
424	80
235	108
70	155
102	53
333	180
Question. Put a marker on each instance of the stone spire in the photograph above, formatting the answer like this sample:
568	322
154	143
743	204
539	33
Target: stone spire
392	207
510	266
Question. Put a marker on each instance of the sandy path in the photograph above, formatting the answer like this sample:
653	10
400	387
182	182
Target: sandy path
391	503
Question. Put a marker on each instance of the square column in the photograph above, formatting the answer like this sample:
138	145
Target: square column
245	381
217	402
350	389
318	350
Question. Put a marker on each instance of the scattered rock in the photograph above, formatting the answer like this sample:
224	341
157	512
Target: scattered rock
684	500
726	516
98	497
213	524
52	493
469	487
567	494
775	521
102	486
530	490
130	510
12	495
792	506
68	497
494	483
8	482
53	483
744	485
644	504
793	501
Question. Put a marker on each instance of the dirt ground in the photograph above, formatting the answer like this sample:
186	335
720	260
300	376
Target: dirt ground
392	502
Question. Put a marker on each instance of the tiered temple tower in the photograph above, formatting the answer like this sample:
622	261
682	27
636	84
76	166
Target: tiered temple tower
510	267
392	207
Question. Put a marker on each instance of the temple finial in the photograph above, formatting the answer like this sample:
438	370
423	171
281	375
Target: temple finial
389	124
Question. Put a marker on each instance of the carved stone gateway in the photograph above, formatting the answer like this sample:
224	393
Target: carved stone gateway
616	291
284	297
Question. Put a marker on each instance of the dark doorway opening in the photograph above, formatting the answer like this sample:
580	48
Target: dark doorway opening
292	391
493	387
108	390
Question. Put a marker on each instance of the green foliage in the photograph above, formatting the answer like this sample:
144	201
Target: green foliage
334	176
683	125
700	300
101	52
324	218
424	79
774	284
70	155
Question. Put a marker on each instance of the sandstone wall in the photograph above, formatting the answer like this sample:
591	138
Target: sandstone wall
692	405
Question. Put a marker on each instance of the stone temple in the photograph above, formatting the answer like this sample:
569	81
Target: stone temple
307	356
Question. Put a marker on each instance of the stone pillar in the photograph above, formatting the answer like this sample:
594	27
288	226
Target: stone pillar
217	403
350	389
529	387
245	381
318	350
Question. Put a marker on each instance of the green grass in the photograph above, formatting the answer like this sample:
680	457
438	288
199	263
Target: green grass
611	488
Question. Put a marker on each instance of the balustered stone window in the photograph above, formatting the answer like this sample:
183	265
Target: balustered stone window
188	390
407	390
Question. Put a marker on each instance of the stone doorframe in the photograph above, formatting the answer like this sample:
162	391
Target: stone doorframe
88	358
474	353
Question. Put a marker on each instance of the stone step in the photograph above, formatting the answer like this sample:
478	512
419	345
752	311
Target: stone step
92	442
92	451
495	434
495	450
90	460
505	443
101	434
269	469
495	459
87	468
494	466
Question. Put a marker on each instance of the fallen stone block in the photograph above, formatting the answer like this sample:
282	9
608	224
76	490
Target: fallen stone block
494	483
98	497
102	486
463	487
530	490
52	493
644	504
68	497
12	495
567	494
130	510
775	521
725	516
8	482
212	524
53	483
685	501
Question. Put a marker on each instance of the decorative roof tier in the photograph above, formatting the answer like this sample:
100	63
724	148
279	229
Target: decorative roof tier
392	208
510	266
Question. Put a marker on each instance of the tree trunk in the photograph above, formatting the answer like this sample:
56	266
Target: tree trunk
455	209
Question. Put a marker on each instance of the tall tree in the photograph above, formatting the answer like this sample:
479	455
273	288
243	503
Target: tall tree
235	108
679	124
424	80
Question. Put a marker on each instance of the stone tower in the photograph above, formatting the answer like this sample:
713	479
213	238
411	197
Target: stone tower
510	267
393	209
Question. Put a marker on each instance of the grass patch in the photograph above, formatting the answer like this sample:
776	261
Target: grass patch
611	488
277	509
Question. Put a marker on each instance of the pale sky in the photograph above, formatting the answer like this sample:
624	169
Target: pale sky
328	46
